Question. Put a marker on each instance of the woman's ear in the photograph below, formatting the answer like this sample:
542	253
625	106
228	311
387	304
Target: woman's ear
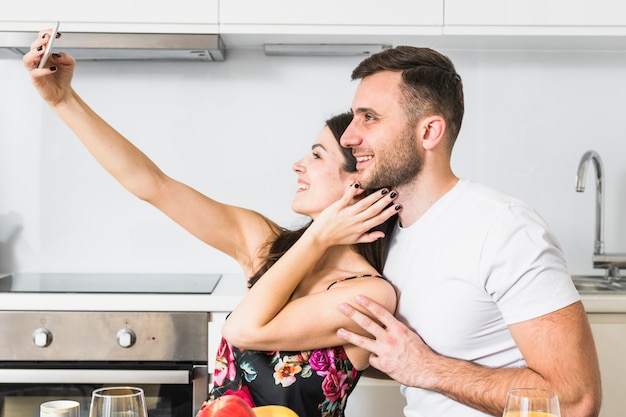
359	190
432	130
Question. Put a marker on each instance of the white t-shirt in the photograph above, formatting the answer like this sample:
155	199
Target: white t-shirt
475	262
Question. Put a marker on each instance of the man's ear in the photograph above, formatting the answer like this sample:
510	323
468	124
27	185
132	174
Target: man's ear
432	130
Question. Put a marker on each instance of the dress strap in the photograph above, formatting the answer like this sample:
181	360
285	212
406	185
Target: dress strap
354	277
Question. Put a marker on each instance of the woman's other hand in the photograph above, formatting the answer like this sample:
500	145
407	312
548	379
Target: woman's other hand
350	219
53	82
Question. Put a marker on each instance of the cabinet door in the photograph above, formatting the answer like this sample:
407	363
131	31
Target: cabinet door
609	332
374	397
332	12
113	11
535	12
215	337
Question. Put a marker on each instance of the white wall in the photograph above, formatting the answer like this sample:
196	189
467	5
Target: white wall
233	129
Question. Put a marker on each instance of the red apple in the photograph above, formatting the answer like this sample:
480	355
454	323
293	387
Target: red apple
227	406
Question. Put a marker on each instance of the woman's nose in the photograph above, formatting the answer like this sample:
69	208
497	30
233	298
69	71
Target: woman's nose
297	166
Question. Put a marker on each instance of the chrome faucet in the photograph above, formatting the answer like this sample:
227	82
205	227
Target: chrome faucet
611	262
598	247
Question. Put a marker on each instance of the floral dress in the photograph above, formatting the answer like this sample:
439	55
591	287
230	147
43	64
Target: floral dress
312	383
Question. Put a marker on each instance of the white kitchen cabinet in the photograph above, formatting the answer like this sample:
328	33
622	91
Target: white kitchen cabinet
532	17
114	15
609	332
376	398
534	25
282	16
215	336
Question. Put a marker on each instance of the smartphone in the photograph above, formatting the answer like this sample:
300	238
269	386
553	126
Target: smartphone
48	51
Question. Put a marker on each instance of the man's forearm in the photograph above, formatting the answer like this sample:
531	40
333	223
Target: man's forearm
480	387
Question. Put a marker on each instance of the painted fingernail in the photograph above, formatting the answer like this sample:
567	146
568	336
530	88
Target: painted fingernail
43	36
357	185
57	55
40	48
393	194
384	191
398	207
53	68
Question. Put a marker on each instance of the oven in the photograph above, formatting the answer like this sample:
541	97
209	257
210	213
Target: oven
48	355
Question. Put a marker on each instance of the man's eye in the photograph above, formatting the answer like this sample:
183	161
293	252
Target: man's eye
369	116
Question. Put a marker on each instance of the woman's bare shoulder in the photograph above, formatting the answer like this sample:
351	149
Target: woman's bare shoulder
374	286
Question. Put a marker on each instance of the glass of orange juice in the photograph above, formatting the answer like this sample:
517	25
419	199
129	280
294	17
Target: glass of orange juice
531	402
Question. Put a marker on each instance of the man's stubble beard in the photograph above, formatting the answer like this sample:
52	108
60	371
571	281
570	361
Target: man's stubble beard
399	166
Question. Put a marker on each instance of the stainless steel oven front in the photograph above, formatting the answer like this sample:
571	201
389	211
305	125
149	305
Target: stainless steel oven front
47	355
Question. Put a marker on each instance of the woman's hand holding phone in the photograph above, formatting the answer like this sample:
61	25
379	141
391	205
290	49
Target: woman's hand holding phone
51	73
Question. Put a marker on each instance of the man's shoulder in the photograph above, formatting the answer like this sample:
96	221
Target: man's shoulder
482	193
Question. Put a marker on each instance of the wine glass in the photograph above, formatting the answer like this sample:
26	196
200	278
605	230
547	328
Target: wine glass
531	402
118	402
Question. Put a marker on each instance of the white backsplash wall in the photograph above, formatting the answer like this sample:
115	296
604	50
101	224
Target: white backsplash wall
233	129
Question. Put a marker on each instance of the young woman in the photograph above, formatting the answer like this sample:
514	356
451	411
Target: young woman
297	278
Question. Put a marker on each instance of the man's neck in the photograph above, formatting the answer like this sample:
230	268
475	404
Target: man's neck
420	195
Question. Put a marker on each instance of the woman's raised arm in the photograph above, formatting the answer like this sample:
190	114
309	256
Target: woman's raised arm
235	231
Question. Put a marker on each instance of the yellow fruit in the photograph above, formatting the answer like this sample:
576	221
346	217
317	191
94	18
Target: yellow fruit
273	411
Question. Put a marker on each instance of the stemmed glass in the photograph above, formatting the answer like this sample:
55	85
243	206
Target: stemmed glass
118	402
531	402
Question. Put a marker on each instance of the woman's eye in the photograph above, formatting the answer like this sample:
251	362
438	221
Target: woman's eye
315	155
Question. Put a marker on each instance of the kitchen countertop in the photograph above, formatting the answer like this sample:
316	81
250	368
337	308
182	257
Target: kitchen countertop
604	303
223	299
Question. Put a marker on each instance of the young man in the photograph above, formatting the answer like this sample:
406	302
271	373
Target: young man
486	301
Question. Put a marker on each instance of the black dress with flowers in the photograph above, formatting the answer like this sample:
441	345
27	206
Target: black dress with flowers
312	383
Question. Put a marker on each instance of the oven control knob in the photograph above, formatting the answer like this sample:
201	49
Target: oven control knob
42	337
126	338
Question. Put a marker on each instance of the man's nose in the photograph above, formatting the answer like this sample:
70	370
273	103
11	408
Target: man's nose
349	139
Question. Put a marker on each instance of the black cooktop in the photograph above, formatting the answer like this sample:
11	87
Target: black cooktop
114	283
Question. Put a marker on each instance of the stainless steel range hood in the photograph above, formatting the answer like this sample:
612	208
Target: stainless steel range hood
124	46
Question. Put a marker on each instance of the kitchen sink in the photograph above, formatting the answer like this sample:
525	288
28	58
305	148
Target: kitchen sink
597	283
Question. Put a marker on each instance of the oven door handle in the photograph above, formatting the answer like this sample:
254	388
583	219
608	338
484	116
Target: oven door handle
93	376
